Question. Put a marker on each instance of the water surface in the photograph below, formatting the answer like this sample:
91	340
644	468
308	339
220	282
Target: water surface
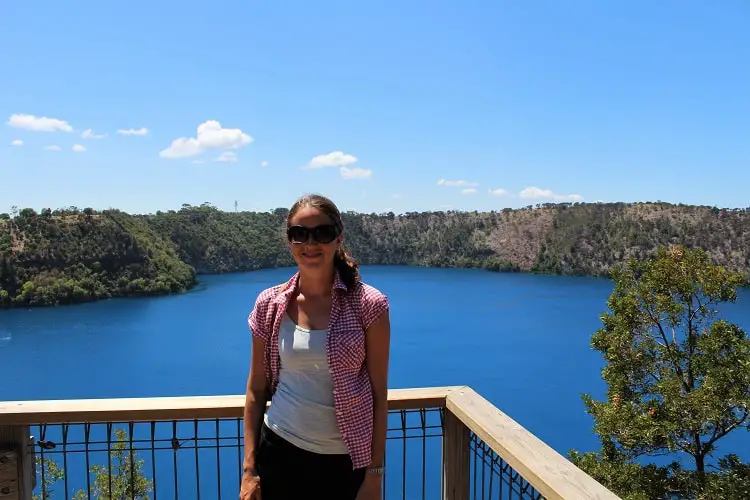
520	340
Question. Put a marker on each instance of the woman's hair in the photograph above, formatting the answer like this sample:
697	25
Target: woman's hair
344	263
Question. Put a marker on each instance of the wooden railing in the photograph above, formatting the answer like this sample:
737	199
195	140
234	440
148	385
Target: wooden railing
444	442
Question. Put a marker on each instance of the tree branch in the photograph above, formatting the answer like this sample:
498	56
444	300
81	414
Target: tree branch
691	345
724	431
663	334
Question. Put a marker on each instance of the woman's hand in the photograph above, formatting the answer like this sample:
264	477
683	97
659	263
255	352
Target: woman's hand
372	488
250	487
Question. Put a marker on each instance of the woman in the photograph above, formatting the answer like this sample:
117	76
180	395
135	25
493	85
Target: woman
320	354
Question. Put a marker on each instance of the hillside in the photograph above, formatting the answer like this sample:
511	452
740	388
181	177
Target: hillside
69	256
578	239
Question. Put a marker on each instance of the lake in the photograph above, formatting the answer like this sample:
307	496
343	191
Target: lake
520	340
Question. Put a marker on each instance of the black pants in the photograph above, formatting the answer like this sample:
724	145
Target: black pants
290	473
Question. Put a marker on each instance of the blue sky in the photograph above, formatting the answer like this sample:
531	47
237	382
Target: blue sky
508	103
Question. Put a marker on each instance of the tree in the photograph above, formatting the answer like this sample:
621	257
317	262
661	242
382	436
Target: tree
52	474
678	377
127	478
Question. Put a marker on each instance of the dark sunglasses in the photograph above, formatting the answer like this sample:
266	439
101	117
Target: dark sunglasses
325	233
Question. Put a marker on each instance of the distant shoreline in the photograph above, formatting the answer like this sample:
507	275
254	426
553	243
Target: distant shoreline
68	256
292	269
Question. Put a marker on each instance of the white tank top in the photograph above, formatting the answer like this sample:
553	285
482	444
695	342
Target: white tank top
302	410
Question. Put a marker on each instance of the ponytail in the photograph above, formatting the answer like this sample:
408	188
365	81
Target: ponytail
347	267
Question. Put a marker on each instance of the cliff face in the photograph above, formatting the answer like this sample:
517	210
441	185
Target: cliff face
70	256
585	239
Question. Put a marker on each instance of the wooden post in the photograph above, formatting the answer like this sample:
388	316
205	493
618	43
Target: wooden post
17	468
456	463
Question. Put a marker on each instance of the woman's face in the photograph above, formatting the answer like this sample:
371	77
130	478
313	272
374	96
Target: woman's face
314	238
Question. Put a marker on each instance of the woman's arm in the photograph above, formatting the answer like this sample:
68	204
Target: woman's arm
378	346
256	397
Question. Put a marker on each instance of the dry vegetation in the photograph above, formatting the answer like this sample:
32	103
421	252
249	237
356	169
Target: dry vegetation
53	247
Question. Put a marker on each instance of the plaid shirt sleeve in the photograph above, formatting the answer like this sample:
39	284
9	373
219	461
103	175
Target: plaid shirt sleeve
257	319
374	304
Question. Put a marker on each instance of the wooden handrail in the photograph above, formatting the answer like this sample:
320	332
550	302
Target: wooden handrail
173	408
553	475
550	473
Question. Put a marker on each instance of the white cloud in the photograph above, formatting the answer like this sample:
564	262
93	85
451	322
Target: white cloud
211	135
498	192
534	192
264	163
342	161
397	196
52	148
227	157
182	148
89	134
469	191
332	159
39	123
458	183
355	173
133	131
78	148
17	142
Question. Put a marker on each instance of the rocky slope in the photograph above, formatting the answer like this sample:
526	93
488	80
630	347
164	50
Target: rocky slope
68	255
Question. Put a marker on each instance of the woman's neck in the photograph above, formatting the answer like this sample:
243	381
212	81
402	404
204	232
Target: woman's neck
315	284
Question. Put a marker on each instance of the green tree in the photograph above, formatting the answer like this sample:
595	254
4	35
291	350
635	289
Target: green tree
678	379
52	474
126	478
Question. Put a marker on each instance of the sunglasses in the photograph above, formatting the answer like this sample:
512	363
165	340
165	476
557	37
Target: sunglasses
325	233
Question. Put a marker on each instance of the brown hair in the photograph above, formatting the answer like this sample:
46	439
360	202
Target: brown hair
344	263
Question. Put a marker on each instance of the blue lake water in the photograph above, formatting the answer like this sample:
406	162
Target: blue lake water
521	341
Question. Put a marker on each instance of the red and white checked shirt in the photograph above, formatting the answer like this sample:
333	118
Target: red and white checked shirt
352	312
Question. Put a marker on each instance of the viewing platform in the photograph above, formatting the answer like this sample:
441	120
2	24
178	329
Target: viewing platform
443	443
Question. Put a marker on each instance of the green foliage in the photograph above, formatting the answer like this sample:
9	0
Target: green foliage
125	481
631	481
60	259
71	255
52	474
678	378
575	239
591	238
213	241
729	480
